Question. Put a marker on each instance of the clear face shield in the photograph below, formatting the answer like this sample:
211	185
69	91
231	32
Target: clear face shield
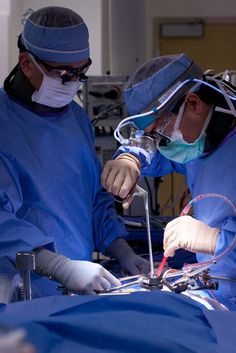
165	119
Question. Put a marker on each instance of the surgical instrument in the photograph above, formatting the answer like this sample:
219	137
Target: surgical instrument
25	262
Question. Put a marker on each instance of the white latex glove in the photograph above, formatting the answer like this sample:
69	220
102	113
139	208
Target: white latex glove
190	234
130	262
87	277
13	340
79	276
119	176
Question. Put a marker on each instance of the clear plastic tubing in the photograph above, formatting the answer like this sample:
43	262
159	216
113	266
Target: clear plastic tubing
232	244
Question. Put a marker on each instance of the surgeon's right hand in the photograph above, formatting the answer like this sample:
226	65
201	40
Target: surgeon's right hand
119	176
79	276
190	234
87	277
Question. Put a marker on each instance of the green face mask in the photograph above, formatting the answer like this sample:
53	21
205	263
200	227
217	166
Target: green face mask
180	151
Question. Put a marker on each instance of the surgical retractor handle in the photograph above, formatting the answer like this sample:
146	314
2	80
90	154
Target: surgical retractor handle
141	192
25	262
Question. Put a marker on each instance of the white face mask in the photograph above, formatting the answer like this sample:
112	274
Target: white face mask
53	93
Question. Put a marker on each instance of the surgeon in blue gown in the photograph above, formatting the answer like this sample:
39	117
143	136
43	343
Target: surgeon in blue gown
192	128
51	198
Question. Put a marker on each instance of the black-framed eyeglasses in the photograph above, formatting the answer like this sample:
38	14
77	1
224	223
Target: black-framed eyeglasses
159	135
67	73
159	138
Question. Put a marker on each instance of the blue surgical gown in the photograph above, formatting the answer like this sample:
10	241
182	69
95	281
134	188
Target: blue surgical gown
50	191
213	172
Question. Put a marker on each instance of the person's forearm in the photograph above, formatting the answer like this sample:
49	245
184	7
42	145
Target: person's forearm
119	248
48	263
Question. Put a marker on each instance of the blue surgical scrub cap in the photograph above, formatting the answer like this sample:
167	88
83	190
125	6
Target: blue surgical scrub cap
153	83
56	34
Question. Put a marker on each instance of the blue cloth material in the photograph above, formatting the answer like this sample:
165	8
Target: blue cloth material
62	45
139	95
142	322
211	173
50	191
222	329
140	153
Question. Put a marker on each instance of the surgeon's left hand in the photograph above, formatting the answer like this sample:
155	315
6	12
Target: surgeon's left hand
135	264
190	234
130	262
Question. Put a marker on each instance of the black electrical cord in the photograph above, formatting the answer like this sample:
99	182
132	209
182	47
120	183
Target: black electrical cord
101	116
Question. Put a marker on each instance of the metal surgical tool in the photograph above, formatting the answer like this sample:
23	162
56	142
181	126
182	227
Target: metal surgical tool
143	193
25	262
138	191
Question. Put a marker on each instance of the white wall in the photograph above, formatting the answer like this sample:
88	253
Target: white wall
15	28
4	37
127	35
93	13
11	12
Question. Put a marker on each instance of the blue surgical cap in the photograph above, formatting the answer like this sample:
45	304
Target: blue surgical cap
154	82
56	34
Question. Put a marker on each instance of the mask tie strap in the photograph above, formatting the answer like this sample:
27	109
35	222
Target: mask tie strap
209	115
228	100
179	116
36	64
230	104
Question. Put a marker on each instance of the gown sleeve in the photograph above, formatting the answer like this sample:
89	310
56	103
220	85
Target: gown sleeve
152	163
107	224
16	234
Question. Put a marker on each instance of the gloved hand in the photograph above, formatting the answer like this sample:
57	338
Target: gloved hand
190	234
79	276
130	262
119	176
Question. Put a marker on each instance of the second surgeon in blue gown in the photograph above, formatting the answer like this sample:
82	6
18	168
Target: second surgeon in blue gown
193	128
51	199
